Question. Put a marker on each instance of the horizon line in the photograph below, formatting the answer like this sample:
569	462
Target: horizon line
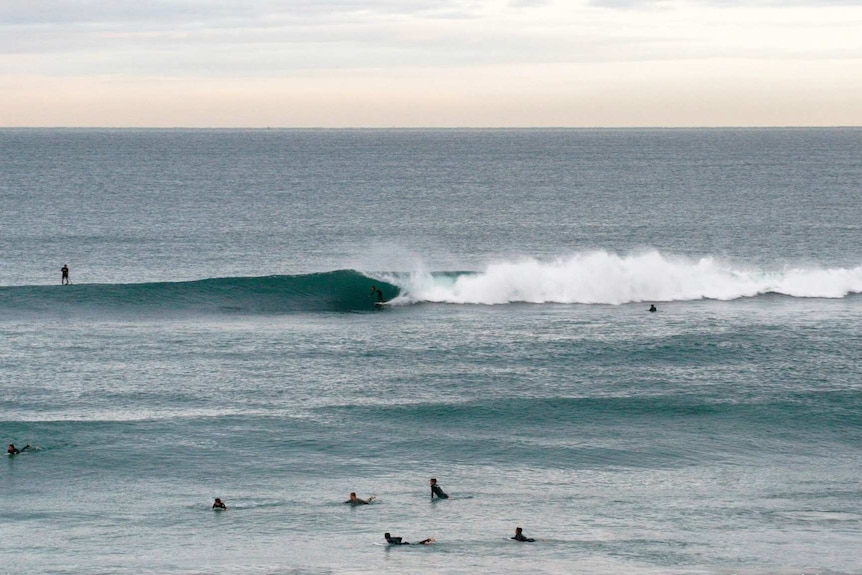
465	128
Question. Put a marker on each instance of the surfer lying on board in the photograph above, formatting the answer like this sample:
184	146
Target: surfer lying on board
354	500
399	541
219	504
436	490
377	294
15	451
519	536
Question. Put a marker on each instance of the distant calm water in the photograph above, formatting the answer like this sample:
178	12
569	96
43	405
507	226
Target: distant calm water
219	339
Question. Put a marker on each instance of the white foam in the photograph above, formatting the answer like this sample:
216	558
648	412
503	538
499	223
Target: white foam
601	277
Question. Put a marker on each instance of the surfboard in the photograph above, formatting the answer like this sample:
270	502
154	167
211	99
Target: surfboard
417	544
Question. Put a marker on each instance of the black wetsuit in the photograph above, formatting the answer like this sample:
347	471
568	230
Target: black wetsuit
398	541
435	490
524	538
219	506
358	501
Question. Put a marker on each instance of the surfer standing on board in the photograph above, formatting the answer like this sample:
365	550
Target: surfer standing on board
64	279
377	294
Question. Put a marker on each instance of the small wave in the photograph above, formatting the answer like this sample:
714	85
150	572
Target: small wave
602	277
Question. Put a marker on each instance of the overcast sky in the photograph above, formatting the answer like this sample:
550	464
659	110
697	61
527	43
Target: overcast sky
381	63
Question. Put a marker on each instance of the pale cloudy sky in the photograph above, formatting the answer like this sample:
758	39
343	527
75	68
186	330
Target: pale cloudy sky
381	63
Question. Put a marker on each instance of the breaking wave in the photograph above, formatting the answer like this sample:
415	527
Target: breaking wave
584	278
605	278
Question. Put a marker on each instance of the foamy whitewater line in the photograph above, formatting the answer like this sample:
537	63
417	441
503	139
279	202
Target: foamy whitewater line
601	277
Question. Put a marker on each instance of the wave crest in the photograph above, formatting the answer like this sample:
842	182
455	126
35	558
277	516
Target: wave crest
585	278
601	277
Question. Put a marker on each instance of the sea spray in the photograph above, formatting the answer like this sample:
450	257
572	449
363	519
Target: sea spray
601	277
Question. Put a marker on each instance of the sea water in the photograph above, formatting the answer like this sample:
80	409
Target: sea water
220	339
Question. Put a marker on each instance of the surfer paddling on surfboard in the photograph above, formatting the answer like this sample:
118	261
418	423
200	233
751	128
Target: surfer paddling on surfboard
354	500
400	541
219	504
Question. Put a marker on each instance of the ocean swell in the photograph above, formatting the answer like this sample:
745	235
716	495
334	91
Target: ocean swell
584	278
336	291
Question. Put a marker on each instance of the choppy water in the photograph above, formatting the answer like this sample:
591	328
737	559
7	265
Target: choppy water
219	339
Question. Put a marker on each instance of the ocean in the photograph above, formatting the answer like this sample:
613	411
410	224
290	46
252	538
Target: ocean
220	339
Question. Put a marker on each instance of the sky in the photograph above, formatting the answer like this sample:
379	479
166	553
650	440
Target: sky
430	63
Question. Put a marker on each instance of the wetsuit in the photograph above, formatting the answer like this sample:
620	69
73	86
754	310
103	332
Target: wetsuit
398	541
357	501
522	537
435	490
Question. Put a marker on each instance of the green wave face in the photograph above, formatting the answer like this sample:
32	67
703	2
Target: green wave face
336	291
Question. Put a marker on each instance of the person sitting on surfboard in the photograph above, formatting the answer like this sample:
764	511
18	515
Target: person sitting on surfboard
435	490
354	500
399	541
219	504
519	536
652	308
